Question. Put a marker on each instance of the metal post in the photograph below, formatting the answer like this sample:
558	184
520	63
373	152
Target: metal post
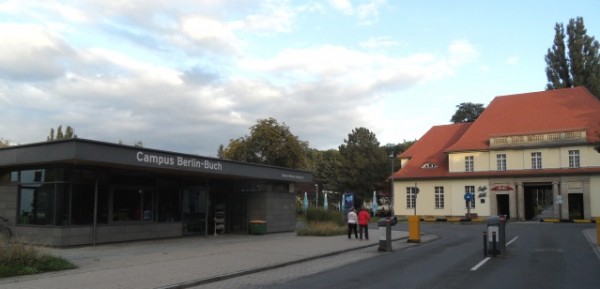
494	253
485	241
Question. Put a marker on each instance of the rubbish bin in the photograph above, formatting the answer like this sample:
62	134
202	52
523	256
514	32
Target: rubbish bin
496	229
385	235
258	227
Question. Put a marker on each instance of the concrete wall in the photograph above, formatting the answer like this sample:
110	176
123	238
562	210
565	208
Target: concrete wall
73	236
276	208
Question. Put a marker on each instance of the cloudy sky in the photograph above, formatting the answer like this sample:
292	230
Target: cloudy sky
187	76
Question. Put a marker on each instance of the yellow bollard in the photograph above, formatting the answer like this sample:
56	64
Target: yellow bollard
597	231
414	229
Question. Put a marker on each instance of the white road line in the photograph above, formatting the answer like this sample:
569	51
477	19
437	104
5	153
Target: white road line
488	258
480	263
513	239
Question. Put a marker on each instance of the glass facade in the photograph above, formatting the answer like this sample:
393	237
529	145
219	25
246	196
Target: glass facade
66	196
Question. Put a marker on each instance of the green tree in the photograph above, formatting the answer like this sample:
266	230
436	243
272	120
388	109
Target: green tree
269	143
467	112
68	134
364	166
326	171
575	64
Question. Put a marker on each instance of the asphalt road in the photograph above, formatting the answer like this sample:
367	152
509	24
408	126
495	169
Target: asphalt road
540	255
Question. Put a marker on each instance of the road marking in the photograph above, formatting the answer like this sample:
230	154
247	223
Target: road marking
481	263
488	258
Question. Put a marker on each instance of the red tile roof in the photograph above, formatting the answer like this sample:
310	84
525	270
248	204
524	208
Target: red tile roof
430	149
537	112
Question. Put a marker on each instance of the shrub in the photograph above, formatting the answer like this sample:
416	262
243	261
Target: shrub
22	259
322	229
320	215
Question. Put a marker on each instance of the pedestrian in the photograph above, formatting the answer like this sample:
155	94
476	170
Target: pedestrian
352	223
363	223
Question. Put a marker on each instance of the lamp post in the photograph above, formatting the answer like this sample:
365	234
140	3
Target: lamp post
316	195
392	156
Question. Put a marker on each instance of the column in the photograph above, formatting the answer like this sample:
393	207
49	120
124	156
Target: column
556	206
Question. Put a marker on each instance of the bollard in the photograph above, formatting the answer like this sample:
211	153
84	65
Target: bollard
485	241
414	229
494	253
597	231
385	236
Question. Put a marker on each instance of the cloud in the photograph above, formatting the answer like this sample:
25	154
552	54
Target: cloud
29	52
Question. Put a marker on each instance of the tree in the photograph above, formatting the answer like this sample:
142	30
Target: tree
580	65
467	112
4	143
364	166
269	143
69	134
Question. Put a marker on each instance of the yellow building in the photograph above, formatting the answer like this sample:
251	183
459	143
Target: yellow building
526	156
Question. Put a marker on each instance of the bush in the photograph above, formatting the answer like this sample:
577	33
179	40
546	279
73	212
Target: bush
322	229
320	215
22	259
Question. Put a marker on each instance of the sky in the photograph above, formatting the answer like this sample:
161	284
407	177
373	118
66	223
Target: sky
188	76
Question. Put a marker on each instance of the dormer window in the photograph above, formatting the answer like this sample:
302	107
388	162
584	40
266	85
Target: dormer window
429	166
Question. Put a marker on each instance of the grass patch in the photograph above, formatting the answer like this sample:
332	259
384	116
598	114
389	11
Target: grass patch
21	259
321	222
322	229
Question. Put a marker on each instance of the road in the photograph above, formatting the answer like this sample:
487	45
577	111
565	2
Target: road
540	255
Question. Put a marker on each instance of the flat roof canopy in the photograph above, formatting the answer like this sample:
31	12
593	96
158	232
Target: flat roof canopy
82	151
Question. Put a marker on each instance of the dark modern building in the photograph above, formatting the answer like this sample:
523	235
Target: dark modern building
77	191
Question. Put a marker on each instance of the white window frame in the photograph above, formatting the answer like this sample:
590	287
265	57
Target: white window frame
439	197
501	162
471	189
574	159
411	197
469	164
536	160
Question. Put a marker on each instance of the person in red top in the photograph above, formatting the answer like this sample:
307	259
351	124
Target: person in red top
364	217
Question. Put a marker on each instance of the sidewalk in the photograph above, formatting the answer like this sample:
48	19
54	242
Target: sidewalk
183	262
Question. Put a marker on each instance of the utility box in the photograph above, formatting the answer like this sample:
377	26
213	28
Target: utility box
258	227
496	228
385	235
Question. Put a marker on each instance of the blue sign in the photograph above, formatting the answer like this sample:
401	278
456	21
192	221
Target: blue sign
468	197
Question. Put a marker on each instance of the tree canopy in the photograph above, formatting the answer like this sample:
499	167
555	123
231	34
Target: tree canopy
576	63
467	112
68	134
269	143
364	164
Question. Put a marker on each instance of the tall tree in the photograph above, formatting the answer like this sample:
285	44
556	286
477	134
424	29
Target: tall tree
580	65
467	112
68	134
4	143
269	143
364	164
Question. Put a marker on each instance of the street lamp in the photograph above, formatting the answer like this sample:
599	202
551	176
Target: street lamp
316	195
392	156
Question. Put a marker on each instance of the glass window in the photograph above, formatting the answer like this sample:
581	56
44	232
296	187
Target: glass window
127	204
411	197
536	160
574	158
501	162
36	205
439	197
169	209
471	190
468	163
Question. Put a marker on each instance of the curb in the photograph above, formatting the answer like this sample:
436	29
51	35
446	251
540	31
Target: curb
579	221
192	283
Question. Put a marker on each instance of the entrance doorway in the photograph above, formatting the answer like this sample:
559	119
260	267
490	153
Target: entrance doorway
195	208
503	205
575	206
537	198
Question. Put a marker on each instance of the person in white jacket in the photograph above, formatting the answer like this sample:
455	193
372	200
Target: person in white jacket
352	224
